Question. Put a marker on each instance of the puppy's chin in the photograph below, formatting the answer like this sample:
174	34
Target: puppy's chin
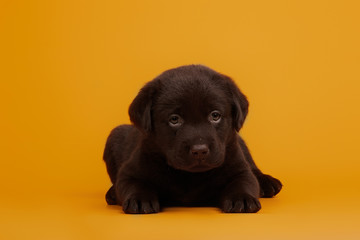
199	168
195	168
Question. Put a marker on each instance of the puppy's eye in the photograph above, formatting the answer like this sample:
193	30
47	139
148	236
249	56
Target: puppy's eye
175	120
215	117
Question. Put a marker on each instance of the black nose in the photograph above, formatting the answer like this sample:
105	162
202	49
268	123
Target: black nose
199	151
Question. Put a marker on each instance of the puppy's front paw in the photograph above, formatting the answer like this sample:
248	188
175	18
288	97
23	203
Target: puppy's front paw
242	204
269	186
134	205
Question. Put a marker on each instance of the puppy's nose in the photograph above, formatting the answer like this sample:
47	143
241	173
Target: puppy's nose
199	151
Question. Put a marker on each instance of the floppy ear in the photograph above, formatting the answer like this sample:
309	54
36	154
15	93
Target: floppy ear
240	105
140	108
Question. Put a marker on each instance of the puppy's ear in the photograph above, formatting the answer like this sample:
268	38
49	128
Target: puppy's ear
140	108
240	104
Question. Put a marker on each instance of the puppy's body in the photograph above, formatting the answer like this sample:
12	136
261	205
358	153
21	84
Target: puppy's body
184	148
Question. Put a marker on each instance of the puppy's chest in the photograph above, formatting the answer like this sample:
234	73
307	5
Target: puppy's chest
192	190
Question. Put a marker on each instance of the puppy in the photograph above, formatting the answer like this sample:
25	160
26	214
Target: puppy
183	147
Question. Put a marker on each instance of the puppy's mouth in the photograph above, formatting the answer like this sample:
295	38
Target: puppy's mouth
195	166
199	168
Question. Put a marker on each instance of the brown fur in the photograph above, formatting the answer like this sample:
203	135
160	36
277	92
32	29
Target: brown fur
180	152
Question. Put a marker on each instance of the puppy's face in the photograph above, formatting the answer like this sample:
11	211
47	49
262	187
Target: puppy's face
192	122
191	113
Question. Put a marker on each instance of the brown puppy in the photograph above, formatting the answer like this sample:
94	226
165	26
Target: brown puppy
184	148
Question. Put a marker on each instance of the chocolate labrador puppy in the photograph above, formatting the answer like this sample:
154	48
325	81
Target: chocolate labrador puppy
183	147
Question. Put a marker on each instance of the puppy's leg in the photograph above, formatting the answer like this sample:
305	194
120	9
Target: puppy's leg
119	146
241	195
137	197
110	196
269	186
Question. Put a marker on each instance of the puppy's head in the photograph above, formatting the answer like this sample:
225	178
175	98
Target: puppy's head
191	113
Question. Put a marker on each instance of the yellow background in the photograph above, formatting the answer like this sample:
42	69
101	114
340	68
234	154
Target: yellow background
69	70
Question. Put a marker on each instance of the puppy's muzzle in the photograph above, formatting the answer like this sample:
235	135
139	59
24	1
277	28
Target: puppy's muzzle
199	152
